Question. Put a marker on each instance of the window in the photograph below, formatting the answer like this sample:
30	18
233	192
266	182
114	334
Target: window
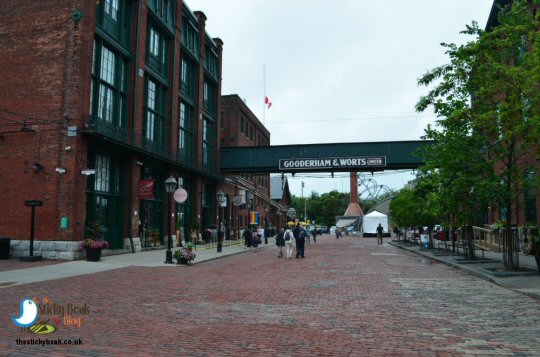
190	36
208	143
103	168
113	16
111	9
105	197
211	61
155	114
157	51
108	87
185	132
242	125
163	10
187	78
209	96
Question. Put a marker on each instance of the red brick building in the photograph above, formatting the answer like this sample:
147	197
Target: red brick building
100	102
246	193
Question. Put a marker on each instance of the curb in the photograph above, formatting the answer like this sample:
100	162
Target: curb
467	269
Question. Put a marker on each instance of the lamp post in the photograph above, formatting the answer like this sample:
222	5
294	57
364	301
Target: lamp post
220	197
170	187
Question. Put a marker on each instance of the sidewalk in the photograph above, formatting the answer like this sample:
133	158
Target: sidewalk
491	268
154	258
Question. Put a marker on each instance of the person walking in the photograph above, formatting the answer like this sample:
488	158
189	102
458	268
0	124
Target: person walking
288	236
308	234
247	237
280	242
397	233
255	240
300	237
380	231
338	233
314	232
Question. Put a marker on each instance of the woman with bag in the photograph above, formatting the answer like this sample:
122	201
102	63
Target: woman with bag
280	242
289	242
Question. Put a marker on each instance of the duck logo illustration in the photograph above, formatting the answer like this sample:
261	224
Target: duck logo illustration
29	314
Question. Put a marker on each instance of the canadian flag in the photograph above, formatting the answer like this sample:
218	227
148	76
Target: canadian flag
267	102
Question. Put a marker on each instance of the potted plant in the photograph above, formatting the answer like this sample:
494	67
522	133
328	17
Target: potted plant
94	243
185	255
535	245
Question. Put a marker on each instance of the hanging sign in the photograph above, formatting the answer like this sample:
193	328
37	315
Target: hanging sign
146	189
180	195
357	162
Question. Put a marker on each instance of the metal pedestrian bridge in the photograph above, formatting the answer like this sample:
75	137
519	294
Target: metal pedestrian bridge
335	157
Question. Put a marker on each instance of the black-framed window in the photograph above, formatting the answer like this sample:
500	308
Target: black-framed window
113	16
190	36
208	143
211	61
209	97
109	87
185	131
155	113
163	10
157	50
105	199
187	78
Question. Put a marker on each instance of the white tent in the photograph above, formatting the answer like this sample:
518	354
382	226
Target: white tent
371	222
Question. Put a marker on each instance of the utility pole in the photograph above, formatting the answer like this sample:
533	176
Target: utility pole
305	213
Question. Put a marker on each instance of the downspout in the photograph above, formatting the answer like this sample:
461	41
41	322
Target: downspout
132	164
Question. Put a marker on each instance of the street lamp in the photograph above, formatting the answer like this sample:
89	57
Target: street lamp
220	197
170	187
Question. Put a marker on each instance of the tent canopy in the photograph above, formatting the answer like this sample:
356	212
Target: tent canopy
345	222
372	220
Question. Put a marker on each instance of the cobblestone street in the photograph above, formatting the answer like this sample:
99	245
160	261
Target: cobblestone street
348	297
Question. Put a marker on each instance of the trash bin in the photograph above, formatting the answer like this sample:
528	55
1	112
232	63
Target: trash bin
4	247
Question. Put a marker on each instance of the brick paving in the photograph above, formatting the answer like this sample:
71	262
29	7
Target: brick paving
346	298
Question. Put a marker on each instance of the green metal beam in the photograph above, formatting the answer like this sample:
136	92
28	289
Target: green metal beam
399	155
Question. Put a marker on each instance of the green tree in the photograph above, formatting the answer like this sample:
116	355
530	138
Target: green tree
404	207
487	102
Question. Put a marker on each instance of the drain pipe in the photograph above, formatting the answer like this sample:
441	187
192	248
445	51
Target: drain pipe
132	163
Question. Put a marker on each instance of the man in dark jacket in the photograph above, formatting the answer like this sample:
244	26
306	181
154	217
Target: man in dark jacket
380	231
247	237
300	236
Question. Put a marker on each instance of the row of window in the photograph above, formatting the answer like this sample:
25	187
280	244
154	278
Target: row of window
249	131
110	71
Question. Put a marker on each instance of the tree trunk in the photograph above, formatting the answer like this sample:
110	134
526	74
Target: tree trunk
470	242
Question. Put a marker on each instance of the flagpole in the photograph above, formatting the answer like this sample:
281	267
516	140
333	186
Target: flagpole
264	94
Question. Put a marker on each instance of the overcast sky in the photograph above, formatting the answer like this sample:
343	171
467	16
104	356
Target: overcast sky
336	70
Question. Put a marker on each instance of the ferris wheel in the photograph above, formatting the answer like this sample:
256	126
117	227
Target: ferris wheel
368	188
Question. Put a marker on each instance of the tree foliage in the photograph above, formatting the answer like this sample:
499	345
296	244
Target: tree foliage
487	102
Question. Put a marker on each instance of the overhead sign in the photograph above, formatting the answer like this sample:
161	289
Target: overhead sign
180	195
357	162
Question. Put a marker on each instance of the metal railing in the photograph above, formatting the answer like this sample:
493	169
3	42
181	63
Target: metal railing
134	140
